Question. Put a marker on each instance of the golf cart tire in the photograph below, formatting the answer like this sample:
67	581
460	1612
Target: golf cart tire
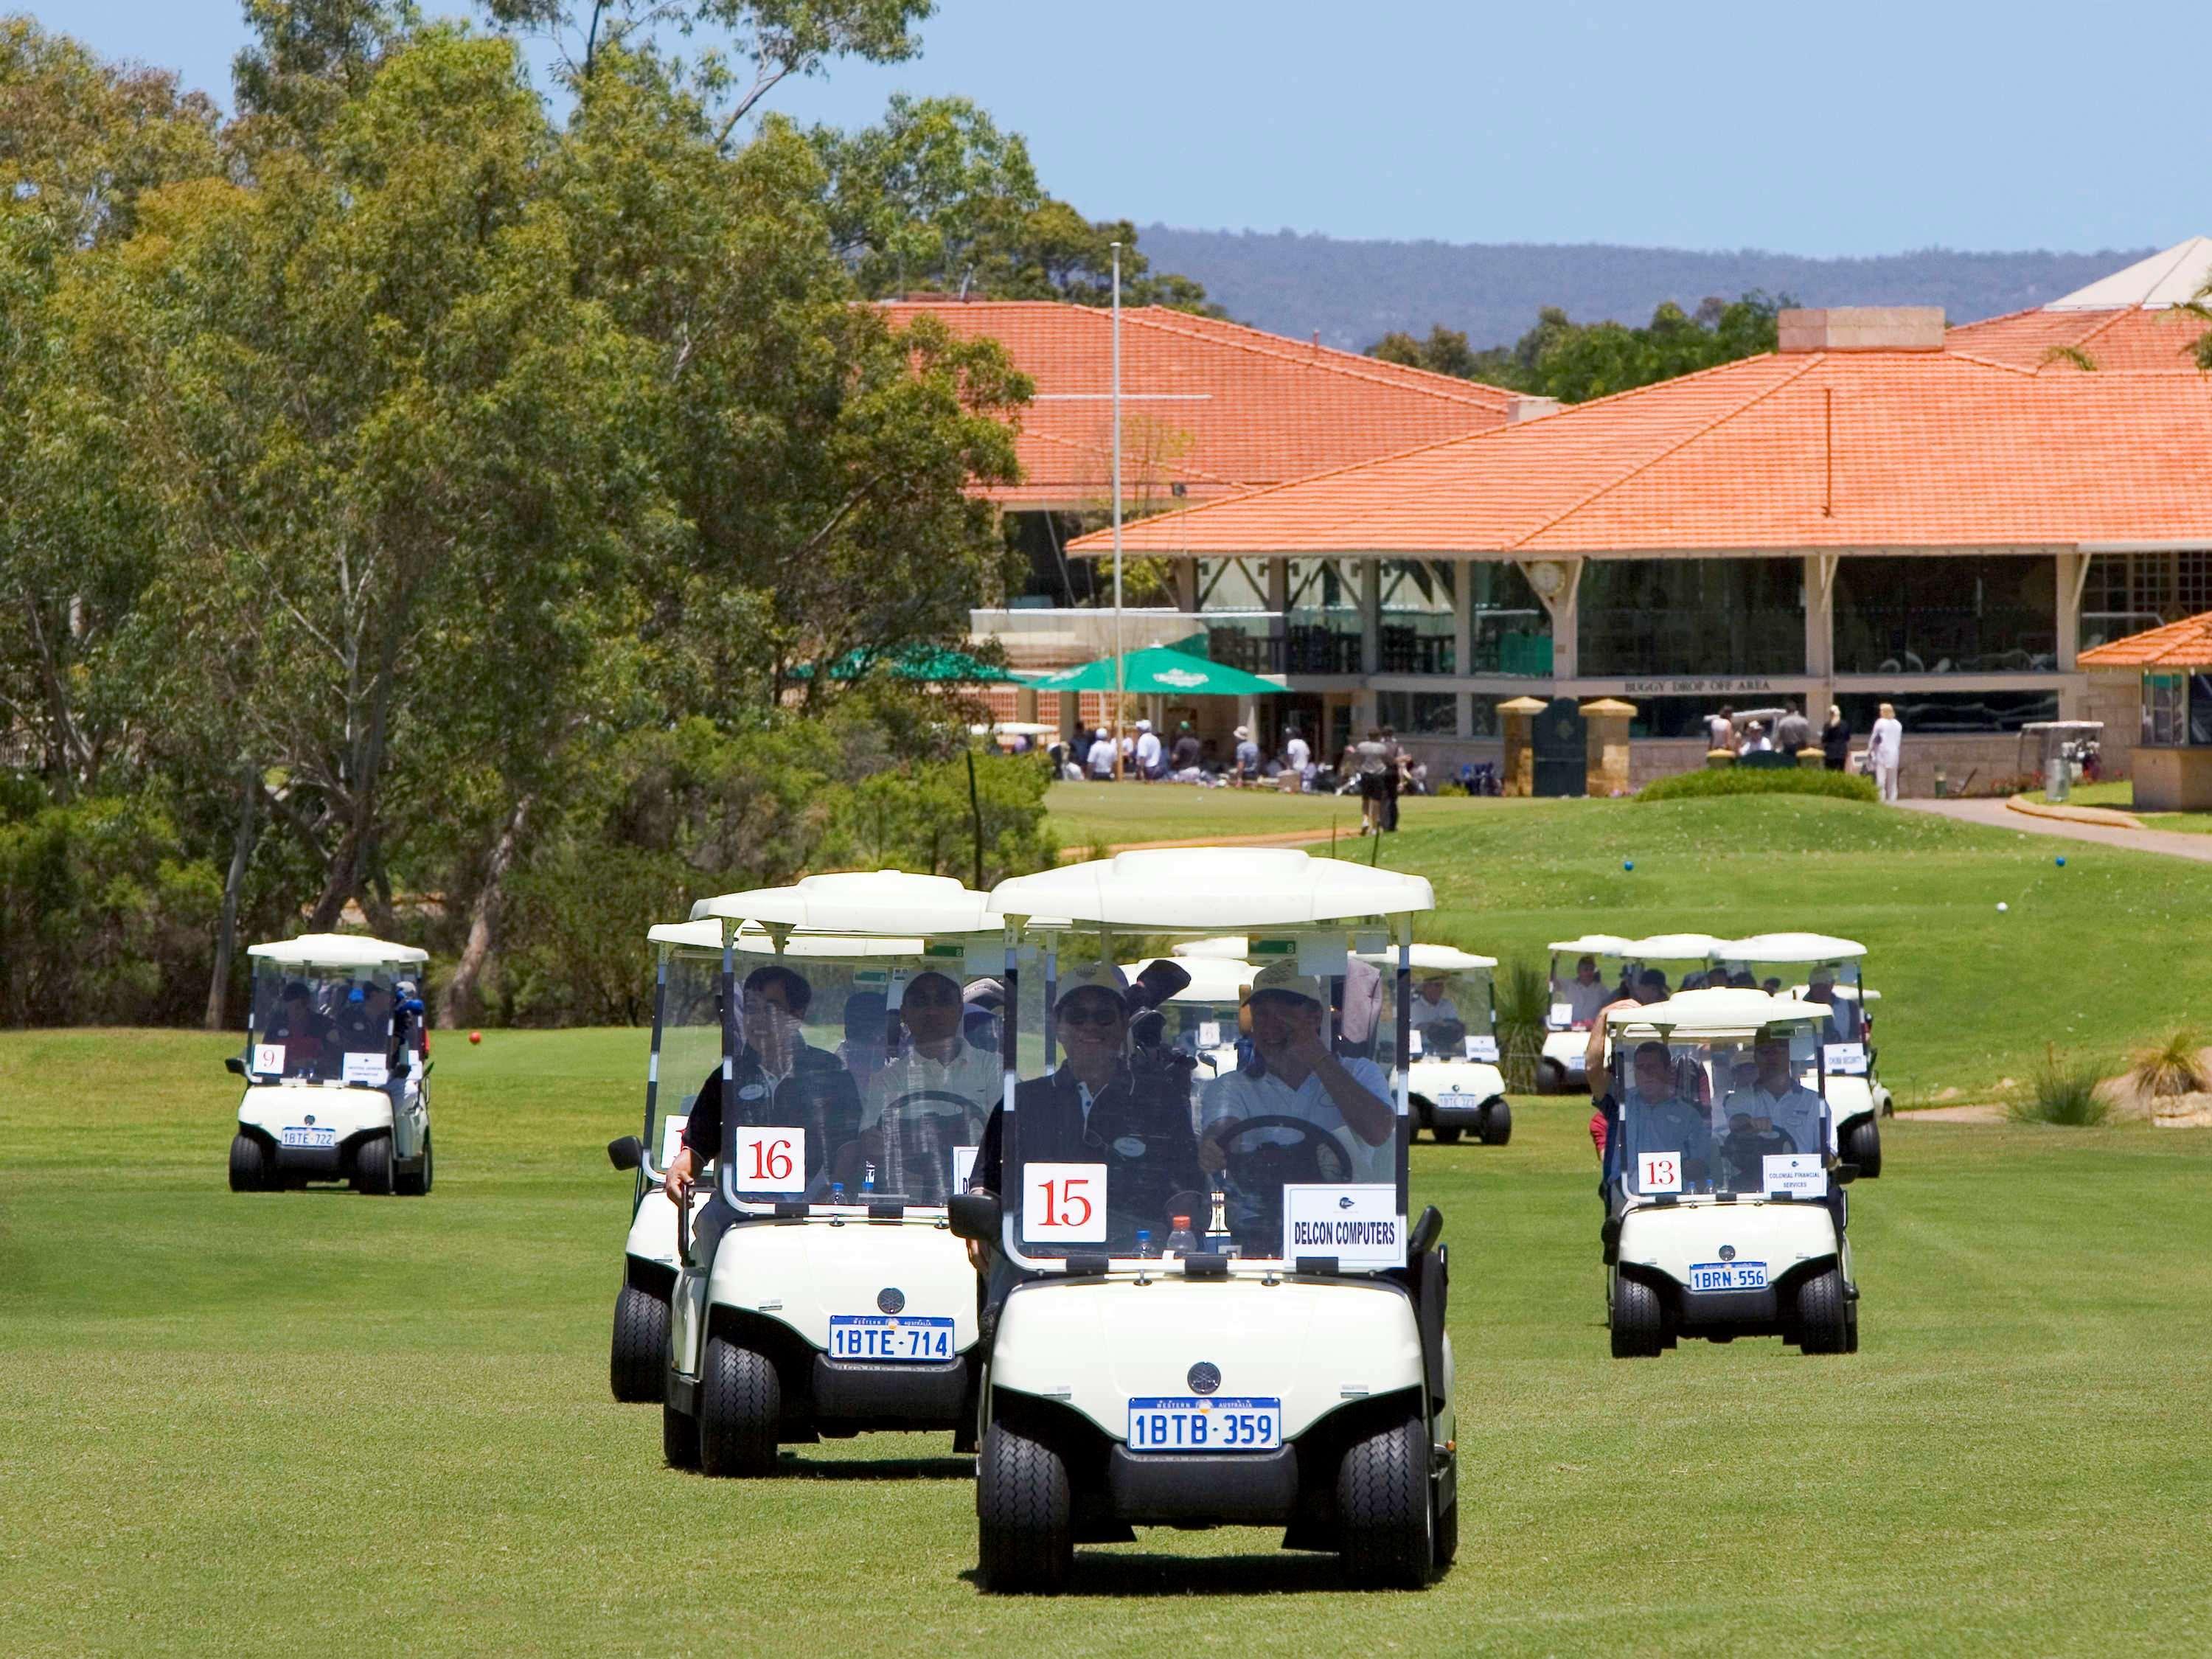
1551	1078
740	1407
679	1437
1497	1124
1862	1147
1639	1320
249	1171
1445	1137
416	1185
640	1350
372	1165
1024	1515
1383	1509
1823	1317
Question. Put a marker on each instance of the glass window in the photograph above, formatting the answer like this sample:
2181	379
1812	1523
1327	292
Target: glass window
1322	626
1692	617
2200	709
2165	713
1715	1114
1419	714
1946	616
321	1025
1510	630
1419	601
2124	593
1936	712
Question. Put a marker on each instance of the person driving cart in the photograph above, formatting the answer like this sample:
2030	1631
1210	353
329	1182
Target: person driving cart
1776	1098
1296	1076
928	1100
1657	1119
303	1032
1433	1004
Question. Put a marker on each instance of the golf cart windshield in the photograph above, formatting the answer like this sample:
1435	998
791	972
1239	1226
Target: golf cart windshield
321	1025
688	1050
1719	1114
1198	1022
1452	1014
1583	983
1811	967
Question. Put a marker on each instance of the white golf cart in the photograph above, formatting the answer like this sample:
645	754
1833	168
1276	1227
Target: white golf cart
1819	967
1283	1361
1574	1005
1455	1082
834	1300
1724	1216
336	1068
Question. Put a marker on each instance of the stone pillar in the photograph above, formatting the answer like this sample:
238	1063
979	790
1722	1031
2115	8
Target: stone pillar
1025	704
1820	635
1604	739
1370	614
1070	720
1186	584
1463	624
1516	717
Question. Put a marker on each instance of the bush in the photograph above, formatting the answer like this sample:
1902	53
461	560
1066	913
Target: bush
1524	999
2170	1067
1761	780
2063	1091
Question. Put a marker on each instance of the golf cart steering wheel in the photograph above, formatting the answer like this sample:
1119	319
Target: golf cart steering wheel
922	1177
1260	1171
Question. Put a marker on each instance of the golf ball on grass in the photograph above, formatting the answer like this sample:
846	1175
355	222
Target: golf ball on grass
1628	864
2002	905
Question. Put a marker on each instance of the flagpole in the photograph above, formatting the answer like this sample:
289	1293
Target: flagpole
1119	693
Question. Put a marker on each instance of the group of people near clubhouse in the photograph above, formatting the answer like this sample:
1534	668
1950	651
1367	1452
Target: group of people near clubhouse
1790	732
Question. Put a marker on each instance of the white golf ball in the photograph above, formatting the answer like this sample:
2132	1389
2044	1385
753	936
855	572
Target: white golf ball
2002	905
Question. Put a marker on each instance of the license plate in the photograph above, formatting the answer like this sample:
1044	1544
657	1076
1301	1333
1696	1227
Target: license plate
874	1336
1213	1425
1729	1276
1457	1098
296	1136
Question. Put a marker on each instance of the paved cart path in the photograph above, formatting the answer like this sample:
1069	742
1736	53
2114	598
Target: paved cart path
1996	815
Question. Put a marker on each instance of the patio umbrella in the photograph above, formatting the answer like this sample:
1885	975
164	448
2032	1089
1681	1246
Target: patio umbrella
935	666
1162	671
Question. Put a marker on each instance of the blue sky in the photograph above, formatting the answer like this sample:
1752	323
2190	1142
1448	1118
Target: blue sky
1871	129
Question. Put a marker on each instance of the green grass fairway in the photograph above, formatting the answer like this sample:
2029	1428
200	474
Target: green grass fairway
322	1423
2122	795
1084	814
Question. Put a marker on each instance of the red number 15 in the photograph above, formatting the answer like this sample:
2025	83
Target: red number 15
1060	1207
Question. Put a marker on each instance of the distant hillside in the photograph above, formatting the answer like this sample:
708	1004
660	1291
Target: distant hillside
1356	292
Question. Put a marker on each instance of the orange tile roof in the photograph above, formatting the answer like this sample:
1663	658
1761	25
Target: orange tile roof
1217	408
2128	339
1850	449
2184	644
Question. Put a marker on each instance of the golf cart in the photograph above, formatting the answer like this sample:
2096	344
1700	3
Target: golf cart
1574	1007
1817	968
336	1068
1723	1212
1282	1361
1455	1082
820	1293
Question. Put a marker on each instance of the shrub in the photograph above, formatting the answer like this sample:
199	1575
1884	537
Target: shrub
2170	1067
2063	1091
1761	780
1523	999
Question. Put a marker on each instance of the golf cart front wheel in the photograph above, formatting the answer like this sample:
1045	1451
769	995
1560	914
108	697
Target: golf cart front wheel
1025	1535
1497	1124
1445	1137
372	1165
418	1184
1384	1515
1551	1078
641	1345
679	1438
1823	1317
249	1166
1862	1147
740	1405
1639	1322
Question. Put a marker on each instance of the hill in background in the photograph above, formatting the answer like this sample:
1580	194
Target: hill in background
1356	292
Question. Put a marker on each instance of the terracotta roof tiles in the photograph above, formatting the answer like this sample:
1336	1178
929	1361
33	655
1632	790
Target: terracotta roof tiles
2184	644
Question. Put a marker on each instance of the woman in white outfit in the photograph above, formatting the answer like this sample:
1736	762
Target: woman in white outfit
1884	747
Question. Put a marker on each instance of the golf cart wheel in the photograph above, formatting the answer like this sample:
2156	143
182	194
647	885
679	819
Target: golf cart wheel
249	1166
1551	1078
1445	1137
679	1438
1638	1320
1384	1517
1497	1124
1850	1327
740	1404
1862	1147
1025	1538
416	1185
372	1165
640	1345
1823	1318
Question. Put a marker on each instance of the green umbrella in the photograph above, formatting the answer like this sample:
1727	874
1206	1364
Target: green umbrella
934	665
1160	670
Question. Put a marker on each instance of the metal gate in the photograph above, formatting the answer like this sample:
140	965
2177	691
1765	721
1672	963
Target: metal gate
1562	750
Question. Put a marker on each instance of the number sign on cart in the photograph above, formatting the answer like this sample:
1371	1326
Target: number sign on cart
269	1058
1659	1172
1063	1203
772	1160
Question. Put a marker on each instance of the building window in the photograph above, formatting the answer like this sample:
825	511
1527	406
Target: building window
2165	710
2124	593
1668	616
1947	616
1510	631
1321	628
1419	714
1935	714
1419	617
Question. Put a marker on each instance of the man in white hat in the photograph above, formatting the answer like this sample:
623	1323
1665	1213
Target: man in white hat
1297	1077
1148	752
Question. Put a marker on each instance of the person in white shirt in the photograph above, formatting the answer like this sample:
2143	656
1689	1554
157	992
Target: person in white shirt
1720	730
1148	752
1101	757
1776	1098
1585	995
1298	754
940	1076
1298	1078
1886	751
1430	1004
1755	740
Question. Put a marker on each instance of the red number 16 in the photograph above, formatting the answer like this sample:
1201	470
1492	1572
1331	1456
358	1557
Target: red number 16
771	1160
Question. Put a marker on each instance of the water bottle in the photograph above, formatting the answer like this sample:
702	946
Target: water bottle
1182	1241
836	1192
868	1181
1144	1241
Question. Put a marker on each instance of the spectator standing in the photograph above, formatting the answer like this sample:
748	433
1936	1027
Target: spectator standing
1886	751
1101	757
1793	731
1397	764
1836	741
1720	729
1248	755
1297	756
1148	752
1371	756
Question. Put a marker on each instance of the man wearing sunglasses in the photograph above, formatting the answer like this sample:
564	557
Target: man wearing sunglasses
929	1101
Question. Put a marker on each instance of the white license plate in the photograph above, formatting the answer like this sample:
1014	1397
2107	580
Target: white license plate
1189	1424
296	1136
901	1337
1729	1276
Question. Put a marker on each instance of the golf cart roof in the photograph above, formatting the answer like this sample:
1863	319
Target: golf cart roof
1212	979
1717	1014
1789	947
877	903
705	938
1592	945
338	951
1673	947
1433	958
1204	889
1238	946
